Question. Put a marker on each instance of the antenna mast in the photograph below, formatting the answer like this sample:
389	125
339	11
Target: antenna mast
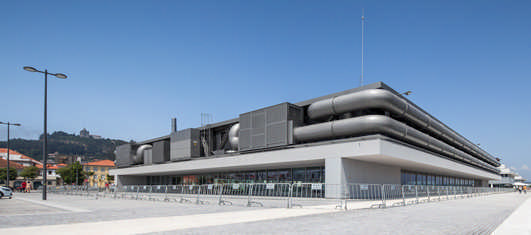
362	39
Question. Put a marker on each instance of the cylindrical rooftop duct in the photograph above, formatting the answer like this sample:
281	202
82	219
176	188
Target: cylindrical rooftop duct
234	134
386	100
139	157
379	124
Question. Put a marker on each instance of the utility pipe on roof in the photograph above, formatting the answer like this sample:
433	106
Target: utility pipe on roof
139	157
379	124
234	134
386	100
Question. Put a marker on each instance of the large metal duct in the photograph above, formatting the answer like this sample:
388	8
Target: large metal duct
234	134
139	157
380	124
386	100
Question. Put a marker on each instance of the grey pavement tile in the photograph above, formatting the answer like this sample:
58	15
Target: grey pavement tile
479	215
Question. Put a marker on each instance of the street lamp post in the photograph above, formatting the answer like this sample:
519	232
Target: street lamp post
8	124
45	140
77	182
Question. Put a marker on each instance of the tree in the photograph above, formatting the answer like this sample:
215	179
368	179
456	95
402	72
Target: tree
89	174
110	178
30	172
73	173
12	173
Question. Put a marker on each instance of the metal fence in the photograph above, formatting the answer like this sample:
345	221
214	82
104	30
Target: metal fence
350	196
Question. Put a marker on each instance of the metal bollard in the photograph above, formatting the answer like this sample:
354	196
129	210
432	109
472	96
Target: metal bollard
382	191
403	196
198	194
290	193
347	194
416	195
428	190
220	195
249	195
166	194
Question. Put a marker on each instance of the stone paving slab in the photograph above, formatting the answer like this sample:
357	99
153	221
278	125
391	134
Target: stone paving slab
479	215
519	222
11	207
157	224
95	210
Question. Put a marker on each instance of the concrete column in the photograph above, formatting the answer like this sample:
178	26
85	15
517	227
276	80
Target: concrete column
334	177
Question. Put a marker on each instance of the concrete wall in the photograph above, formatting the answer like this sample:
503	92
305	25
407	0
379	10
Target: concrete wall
348	171
370	173
130	180
340	171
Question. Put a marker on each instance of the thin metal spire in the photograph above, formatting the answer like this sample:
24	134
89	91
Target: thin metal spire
362	40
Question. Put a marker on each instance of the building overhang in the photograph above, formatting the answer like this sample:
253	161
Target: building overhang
378	149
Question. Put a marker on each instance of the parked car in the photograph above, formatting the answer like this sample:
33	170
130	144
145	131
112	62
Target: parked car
6	192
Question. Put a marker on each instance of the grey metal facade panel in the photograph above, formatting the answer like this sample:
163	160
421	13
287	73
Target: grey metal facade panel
161	151
245	121
268	127
258	141
184	144
123	155
277	134
258	123
276	113
244	139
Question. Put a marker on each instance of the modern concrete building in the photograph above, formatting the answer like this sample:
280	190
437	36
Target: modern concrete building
509	178
367	135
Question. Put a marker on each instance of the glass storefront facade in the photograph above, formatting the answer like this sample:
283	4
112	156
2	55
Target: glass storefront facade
285	175
419	178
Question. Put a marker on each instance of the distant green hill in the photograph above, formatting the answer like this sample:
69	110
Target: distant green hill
66	144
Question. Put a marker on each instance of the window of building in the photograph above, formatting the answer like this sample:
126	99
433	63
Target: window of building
418	178
299	174
272	176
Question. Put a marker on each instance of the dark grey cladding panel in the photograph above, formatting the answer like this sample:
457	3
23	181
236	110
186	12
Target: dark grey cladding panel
184	144
277	134
245	121
258	123
123	155
258	141
161	151
245	139
276	113
268	127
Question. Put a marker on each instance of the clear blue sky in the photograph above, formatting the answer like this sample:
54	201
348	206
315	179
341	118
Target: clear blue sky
132	65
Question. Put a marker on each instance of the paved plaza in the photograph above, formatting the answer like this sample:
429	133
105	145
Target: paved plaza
26	214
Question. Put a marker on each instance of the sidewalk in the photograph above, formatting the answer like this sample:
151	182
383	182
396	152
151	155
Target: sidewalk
519	222
160	224
60	214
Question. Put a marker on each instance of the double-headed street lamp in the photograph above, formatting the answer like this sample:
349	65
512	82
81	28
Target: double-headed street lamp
8	124
45	144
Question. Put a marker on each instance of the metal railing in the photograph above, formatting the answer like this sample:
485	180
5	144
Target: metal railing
288	195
